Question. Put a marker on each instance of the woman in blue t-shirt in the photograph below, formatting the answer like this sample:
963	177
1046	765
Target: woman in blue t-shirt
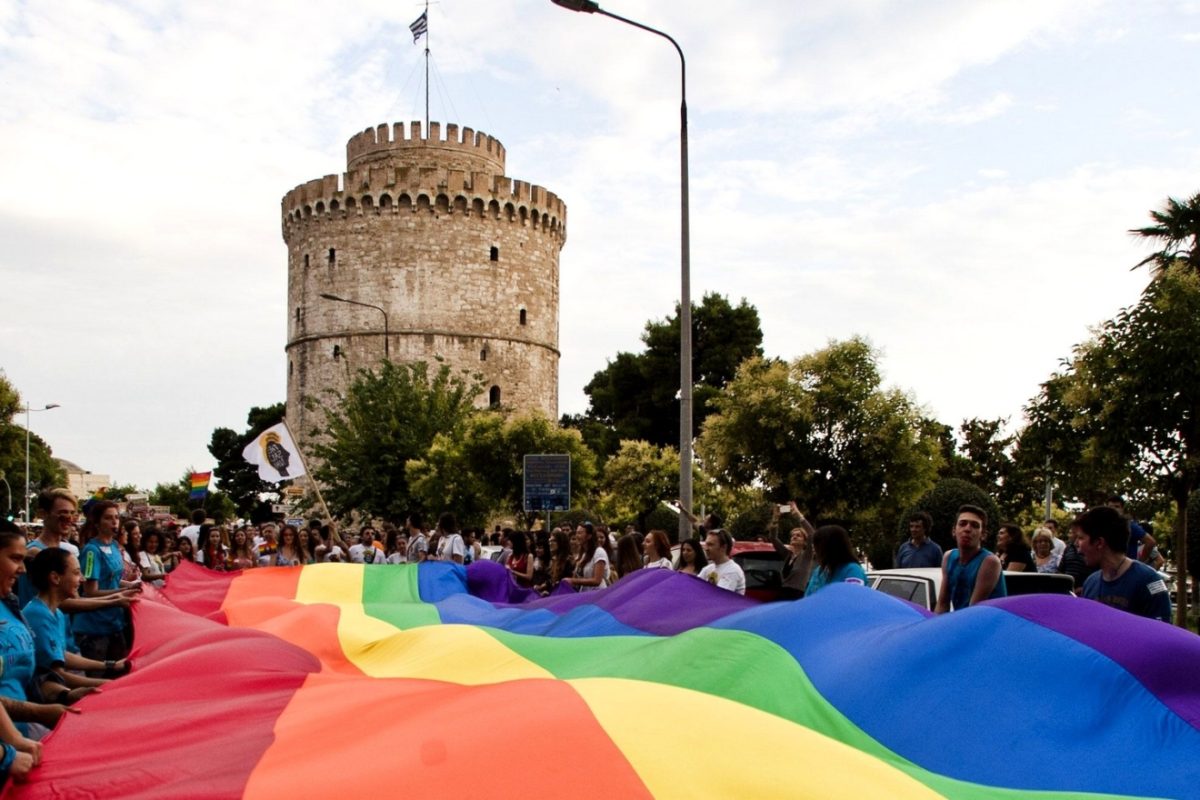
833	559
100	634
57	576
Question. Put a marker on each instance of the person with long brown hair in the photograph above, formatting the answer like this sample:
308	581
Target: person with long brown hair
833	560
241	552
210	550
520	562
560	565
629	554
591	567
657	549
691	557
100	634
291	552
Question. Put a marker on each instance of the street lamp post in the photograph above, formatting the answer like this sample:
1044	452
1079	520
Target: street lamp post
28	411
387	353
685	302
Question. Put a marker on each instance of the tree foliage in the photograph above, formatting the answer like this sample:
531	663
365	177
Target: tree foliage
1056	442
1135	391
635	397
477	468
44	470
1176	229
388	416
985	455
636	480
823	431
237	477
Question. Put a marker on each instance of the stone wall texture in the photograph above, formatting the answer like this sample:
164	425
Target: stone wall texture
463	259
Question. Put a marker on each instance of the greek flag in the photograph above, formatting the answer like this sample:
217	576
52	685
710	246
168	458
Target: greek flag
420	26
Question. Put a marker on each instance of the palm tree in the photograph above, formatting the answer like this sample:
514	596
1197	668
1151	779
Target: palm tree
1178	229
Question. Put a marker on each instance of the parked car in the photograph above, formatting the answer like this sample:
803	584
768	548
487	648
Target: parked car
763	566
920	585
490	552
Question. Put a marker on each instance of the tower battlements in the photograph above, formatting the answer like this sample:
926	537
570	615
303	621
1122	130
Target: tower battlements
382	185
475	149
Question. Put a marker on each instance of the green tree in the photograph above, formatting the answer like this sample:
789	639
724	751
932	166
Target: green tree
119	491
478	468
237	477
44	470
636	480
823	431
1136	390
988	458
1055	444
388	416
636	395
1177	229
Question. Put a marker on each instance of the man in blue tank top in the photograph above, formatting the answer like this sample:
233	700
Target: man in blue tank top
970	572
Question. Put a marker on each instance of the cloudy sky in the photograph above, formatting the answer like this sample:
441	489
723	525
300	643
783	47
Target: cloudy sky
952	180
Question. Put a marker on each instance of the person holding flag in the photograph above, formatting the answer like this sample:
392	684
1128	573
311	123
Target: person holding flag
275	454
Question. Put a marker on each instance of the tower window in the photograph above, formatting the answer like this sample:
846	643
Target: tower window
297	315
337	351
523	318
483	354
332	257
494	396
306	260
495	254
291	366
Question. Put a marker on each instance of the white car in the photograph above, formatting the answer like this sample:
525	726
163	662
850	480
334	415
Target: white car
490	552
920	585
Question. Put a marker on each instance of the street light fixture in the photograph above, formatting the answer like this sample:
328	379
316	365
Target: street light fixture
28	411
685	303
387	353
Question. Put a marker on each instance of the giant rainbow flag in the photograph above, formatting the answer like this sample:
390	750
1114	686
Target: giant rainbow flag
440	681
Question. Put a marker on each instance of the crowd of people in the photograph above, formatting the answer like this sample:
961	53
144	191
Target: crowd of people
1109	558
66	626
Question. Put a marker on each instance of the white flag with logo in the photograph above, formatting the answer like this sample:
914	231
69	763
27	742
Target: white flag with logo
275	455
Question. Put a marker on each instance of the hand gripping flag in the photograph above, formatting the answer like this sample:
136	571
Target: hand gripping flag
420	26
275	455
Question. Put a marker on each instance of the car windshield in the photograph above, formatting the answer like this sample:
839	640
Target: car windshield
910	589
762	571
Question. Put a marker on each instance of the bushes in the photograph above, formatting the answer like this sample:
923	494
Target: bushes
942	502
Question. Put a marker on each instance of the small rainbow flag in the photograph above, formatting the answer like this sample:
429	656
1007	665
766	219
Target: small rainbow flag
199	485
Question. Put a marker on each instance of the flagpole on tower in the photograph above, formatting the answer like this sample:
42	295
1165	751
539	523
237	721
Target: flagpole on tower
426	67
419	28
